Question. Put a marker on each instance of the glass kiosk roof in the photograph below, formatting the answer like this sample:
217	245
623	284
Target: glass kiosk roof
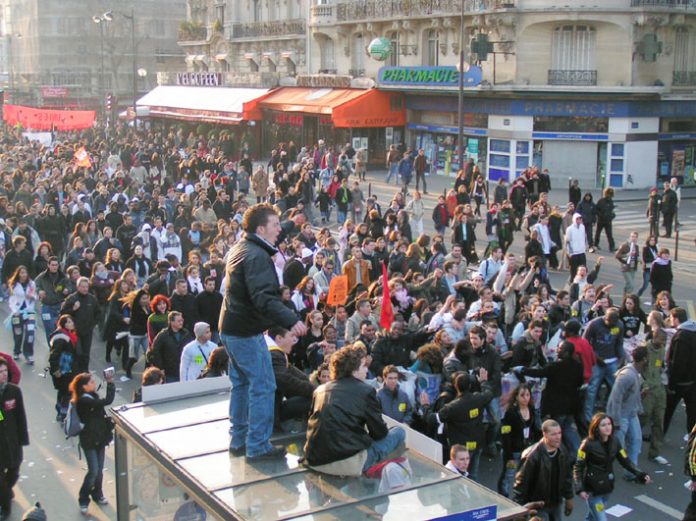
186	441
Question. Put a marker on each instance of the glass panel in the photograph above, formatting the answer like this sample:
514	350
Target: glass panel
499	161
616	180
154	495
522	162
441	499
617	165
523	147
186	442
500	145
617	149
167	415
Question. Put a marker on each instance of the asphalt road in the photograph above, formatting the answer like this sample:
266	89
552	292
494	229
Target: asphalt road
52	473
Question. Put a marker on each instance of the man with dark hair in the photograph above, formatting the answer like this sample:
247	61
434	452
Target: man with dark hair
251	305
16	257
605	334
185	303
681	368
167	346
394	401
396	347
346	433
293	396
83	307
208	306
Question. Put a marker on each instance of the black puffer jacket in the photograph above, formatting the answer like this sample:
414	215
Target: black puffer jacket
97	431
595	462
341	409
463	418
562	392
252	300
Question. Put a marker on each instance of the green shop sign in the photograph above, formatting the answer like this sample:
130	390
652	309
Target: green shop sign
428	76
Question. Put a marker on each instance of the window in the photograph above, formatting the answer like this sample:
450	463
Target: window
395	50
358	55
160	56
573	48
256	10
684	57
220	14
432	48
328	62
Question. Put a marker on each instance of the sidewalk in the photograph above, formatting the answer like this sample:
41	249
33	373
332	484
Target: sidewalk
438	184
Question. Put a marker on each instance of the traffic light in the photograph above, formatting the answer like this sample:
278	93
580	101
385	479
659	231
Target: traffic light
481	46
109	102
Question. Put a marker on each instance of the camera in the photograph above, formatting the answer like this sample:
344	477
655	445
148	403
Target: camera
109	372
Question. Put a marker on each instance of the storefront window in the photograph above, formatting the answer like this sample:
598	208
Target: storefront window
470	119
570	124
678	125
281	127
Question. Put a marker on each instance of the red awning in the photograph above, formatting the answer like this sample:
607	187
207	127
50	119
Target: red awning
348	108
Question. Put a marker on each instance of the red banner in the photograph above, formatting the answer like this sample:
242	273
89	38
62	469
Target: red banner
43	119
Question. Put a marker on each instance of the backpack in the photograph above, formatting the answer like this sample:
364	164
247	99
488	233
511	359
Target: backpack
72	426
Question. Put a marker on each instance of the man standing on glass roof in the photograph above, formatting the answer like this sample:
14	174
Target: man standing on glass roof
252	304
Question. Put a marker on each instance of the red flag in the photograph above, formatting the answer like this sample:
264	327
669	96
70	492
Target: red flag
386	316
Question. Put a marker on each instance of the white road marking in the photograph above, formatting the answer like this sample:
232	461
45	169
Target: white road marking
657	505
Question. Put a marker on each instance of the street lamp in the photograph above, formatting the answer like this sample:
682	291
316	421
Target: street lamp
100	20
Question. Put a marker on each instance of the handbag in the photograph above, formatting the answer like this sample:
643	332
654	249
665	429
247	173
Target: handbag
599	482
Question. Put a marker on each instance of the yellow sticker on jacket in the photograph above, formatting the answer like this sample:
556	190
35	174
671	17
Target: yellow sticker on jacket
471	445
473	413
581	454
614	330
198	359
599	507
402	407
506	429
623	453
658	363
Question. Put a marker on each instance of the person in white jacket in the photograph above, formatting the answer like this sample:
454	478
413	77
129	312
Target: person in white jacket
576	242
195	355
22	313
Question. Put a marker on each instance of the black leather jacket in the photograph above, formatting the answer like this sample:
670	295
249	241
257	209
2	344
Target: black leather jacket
252	301
595	461
341	409
533	481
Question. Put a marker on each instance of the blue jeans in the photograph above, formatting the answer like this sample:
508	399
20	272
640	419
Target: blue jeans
49	317
137	343
253	393
571	438
596	507
92	484
507	476
393	171
631	437
379	450
341	217
646	282
599	374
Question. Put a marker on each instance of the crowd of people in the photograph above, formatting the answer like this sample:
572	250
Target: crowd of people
454	335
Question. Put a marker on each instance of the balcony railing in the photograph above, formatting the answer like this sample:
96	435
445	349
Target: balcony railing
379	9
684	78
263	29
572	77
356	73
671	4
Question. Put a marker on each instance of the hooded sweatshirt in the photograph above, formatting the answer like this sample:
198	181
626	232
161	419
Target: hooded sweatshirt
575	237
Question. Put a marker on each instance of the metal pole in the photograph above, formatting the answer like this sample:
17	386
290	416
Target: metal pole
102	89
676	236
135	72
460	111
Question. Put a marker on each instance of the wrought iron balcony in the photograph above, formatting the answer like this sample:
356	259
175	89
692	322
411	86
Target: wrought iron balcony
670	4
684	78
572	77
269	29
386	9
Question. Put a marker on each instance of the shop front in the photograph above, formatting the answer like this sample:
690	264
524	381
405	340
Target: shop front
235	109
677	149
366	118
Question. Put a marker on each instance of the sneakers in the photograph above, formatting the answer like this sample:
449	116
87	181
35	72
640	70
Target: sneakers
15	356
660	460
102	501
83	509
30	360
592	250
275	453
